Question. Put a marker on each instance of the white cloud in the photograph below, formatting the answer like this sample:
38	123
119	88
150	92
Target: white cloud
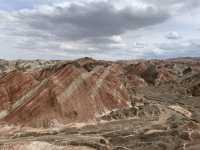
173	35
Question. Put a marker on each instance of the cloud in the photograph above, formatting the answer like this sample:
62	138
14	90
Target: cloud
173	36
100	19
21	4
95	28
181	49
175	5
85	27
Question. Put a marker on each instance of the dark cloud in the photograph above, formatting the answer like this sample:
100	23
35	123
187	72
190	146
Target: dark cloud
94	20
87	28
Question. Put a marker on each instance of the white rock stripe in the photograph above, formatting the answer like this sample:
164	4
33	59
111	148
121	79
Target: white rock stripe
75	85
181	110
23	100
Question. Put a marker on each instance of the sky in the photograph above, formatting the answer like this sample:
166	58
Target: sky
102	29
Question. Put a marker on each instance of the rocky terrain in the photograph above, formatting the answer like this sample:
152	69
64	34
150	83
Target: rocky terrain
89	104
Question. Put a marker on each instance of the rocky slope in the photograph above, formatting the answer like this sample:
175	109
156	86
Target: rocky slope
90	104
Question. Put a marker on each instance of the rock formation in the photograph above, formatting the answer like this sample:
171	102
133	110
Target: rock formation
93	104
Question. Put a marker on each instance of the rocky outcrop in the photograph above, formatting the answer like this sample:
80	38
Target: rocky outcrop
41	146
68	93
36	92
91	104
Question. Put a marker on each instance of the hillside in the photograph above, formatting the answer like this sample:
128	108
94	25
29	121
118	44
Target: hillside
95	104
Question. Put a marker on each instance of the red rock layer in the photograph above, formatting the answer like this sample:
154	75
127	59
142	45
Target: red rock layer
68	94
82	90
